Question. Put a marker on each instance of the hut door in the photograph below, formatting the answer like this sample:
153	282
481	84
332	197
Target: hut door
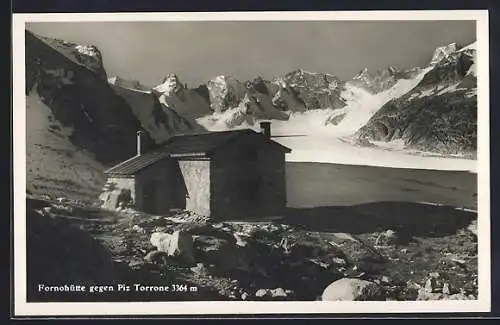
149	197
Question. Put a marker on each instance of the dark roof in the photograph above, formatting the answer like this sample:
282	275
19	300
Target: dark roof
183	145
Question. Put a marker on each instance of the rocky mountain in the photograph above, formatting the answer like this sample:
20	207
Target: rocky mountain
189	103
77	123
316	90
382	79
352	106
80	120
440	113
237	104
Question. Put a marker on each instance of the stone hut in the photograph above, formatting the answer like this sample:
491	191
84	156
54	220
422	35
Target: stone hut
229	174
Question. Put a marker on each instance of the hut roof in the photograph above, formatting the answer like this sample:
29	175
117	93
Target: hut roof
185	146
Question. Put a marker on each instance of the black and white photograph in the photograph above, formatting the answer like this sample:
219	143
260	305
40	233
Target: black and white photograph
259	160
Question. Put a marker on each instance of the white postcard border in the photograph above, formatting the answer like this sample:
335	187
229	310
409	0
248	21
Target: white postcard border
23	308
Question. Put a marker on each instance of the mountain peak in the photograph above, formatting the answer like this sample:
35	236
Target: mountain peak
169	84
86	55
443	52
362	74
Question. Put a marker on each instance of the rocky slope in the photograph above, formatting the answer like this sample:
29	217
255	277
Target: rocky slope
280	260
225	102
382	79
316	90
440	113
77	123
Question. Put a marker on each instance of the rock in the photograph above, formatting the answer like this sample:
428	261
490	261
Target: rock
446	289
433	285
385	279
339	261
239	240
198	269
348	289
208	243
424	294
157	238
404	251
244	296
134	264
458	296
386	238
177	244
261	293
434	275
278	292
156	257
138	229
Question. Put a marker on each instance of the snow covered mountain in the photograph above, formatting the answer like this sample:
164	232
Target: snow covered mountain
189	103
440	113
80	121
349	108
382	79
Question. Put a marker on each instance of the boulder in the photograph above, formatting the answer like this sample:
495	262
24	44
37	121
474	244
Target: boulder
387	238
424	294
156	257
241	239
199	268
348	289
210	244
261	293
273	293
279	292
177	244
434	283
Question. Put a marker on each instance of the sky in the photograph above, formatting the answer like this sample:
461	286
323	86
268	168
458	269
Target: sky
198	51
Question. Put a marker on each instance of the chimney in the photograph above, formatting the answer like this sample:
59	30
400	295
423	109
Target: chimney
139	142
265	127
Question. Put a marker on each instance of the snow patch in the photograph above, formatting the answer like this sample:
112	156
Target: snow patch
426	93
443	52
471	46
88	50
472	71
330	149
449	89
362	105
169	85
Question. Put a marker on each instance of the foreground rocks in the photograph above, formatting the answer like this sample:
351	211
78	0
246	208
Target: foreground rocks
274	261
175	244
353	290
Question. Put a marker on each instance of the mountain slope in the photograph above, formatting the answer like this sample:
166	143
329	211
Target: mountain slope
77	124
55	166
440	113
159	120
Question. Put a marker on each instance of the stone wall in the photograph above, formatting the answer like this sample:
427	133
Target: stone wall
163	180
114	190
248	181
196	174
